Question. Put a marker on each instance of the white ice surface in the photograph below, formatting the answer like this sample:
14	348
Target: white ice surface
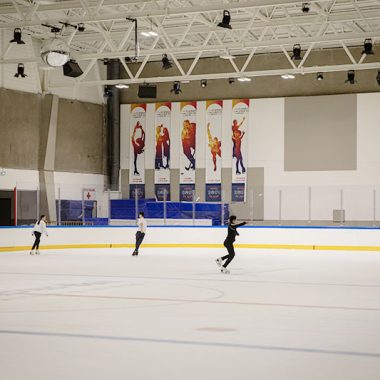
169	314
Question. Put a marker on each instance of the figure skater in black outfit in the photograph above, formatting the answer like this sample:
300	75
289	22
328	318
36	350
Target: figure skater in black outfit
229	244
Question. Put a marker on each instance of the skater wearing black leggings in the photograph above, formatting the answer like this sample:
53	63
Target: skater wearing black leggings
229	244
38	230
140	234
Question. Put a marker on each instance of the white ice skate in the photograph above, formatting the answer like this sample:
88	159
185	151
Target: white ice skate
225	270
219	261
31	253
37	252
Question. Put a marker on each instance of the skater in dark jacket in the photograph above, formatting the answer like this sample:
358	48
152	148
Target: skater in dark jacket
229	244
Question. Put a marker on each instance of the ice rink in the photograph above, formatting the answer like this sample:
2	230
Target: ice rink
170	314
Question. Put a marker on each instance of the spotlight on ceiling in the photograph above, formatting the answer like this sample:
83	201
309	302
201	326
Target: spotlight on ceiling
296	53
166	64
204	83
319	76
17	37
305	7
176	88
20	71
107	92
287	76
55	52
81	27
226	20
231	80
378	78
350	77
122	85
368	48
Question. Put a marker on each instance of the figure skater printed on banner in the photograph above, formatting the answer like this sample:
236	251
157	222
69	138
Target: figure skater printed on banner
237	137
229	244
162	148
140	234
166	147
188	142
39	229
138	142
158	159
214	145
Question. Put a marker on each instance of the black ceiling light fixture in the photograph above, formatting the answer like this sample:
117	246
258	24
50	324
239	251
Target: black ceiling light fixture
296	53
20	71
231	80
81	27
17	37
368	47
107	92
72	69
378	78
305	7
204	83
166	64
319	76
176	88
350	77
226	20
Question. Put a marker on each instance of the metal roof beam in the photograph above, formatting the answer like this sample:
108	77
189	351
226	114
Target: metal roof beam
147	13
252	74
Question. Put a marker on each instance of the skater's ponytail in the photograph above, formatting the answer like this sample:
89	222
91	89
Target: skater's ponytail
42	216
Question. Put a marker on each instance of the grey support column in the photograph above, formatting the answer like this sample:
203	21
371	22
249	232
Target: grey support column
47	174
113	123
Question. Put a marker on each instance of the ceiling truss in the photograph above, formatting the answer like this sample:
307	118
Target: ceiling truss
188	30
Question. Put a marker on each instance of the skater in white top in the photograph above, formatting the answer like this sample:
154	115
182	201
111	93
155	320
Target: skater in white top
140	234
39	229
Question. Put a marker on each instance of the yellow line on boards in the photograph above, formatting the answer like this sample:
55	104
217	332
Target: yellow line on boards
201	245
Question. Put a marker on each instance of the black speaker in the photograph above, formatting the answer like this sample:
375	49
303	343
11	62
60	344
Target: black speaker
147	91
72	69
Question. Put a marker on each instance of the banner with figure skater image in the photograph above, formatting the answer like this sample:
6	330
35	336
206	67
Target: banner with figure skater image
239	124
162	147
188	116
214	111
137	126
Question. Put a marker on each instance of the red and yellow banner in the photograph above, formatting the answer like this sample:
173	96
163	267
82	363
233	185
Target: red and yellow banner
239	129
214	114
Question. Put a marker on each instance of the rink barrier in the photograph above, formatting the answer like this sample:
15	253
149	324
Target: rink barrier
197	237
218	246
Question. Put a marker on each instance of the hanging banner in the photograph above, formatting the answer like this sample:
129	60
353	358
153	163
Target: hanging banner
162	145
137	127
240	113
214	111
187	119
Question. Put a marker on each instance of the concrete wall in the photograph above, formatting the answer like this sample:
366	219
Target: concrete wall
21	124
24	127
260	87
42	136
80	137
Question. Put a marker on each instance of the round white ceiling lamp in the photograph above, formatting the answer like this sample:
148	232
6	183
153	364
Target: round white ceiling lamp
55	52
244	79
287	76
